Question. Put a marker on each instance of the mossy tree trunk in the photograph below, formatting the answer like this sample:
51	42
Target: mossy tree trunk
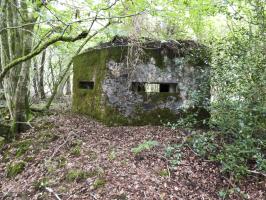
10	42
35	78
15	43
68	86
41	75
22	90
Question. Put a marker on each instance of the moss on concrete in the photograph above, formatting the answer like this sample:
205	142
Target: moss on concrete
157	55
154	117
91	66
159	97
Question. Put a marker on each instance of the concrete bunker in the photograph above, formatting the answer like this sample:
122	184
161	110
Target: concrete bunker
125	82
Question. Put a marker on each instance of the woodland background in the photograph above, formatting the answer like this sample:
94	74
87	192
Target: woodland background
39	38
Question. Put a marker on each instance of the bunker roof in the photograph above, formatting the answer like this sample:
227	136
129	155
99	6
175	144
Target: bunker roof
176	48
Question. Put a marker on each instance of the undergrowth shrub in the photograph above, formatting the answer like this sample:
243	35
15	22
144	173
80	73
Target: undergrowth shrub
238	156
204	144
2	142
238	107
174	154
239	103
191	118
241	156
22	147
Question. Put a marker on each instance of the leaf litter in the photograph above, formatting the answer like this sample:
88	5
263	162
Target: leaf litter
74	157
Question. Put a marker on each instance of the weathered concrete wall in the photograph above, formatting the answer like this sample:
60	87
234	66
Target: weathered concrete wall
116	85
114	101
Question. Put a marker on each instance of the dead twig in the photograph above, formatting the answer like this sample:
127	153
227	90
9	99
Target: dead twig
93	196
56	151
50	190
169	172
256	172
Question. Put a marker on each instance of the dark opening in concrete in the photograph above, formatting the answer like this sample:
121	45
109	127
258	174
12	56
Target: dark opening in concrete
138	87
164	87
154	87
89	85
168	87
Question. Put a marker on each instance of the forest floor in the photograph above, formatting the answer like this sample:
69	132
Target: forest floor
67	156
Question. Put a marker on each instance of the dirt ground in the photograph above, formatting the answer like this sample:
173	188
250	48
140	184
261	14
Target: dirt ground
68	156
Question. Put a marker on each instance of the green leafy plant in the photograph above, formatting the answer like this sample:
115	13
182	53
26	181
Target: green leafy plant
204	144
224	193
46	136
237	157
260	162
75	149
174	154
187	121
163	173
146	145
61	161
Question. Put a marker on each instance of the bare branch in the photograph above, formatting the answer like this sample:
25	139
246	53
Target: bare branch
257	172
47	106
55	39
40	49
26	24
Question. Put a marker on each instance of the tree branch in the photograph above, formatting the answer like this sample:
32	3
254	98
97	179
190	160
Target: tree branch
53	40
40	49
47	106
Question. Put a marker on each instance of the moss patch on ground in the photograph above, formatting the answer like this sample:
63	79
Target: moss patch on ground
79	175
13	169
98	183
2	142
22	147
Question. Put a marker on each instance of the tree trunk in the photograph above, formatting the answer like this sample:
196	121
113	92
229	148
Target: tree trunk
41	75
16	81
22	90
2	96
60	87
52	81
10	45
68	86
35	78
